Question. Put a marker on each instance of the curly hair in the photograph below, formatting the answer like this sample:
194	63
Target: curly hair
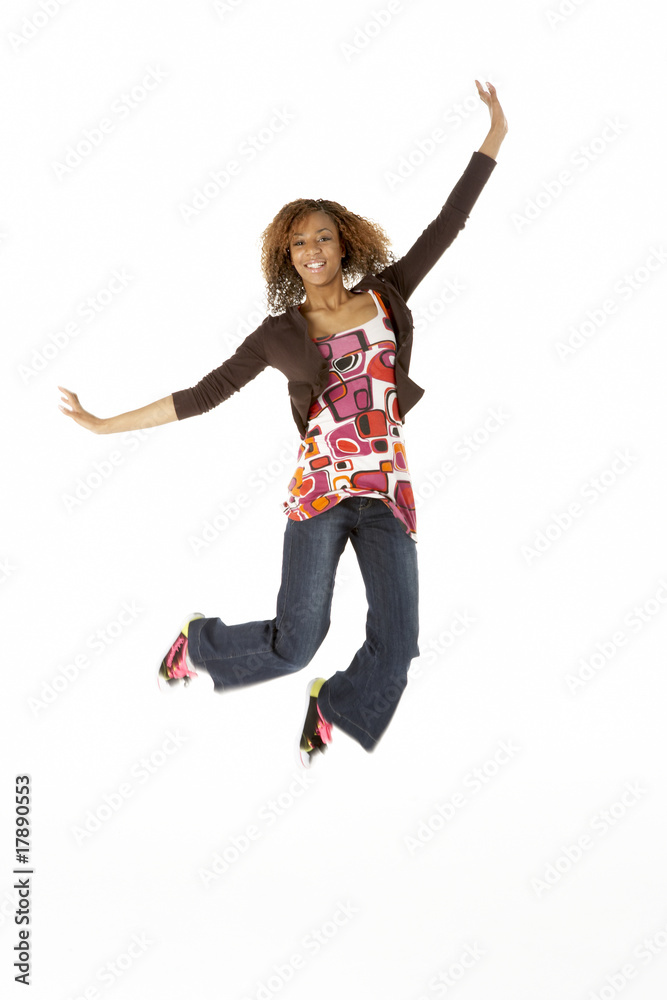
367	249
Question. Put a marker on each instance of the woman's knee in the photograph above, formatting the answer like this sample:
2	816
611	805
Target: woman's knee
298	641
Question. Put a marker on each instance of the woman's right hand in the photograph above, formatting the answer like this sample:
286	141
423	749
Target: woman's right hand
77	412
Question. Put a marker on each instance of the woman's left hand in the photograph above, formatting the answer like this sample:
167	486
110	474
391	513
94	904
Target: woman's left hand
498	120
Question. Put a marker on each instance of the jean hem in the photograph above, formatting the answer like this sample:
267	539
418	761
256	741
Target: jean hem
364	739
194	628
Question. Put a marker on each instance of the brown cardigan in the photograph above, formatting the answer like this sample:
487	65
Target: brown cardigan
283	341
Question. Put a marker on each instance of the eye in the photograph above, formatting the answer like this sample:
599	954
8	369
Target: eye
297	243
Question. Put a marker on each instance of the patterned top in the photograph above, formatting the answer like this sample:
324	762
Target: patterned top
353	444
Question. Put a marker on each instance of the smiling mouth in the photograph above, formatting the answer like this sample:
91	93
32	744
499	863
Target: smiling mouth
315	265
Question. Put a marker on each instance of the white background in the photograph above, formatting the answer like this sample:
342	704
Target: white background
419	881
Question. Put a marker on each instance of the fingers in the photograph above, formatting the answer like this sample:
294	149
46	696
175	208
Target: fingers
68	397
71	400
482	93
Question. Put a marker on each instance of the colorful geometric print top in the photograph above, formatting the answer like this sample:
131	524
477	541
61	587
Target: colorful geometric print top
353	444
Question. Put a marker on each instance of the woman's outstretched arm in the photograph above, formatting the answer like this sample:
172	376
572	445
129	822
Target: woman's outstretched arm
160	412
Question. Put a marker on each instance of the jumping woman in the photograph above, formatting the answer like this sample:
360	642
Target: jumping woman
346	354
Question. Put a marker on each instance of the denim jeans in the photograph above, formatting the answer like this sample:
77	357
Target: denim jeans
362	699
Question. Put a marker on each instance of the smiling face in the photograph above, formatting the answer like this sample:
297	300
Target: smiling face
315	248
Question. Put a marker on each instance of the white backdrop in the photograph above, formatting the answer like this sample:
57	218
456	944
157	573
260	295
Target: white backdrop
506	838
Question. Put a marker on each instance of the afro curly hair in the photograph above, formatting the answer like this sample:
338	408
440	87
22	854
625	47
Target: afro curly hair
367	249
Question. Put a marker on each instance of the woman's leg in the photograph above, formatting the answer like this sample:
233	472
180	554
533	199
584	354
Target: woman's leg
362	699
238	655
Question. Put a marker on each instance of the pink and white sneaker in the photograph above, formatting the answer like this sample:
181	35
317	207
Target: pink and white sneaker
177	670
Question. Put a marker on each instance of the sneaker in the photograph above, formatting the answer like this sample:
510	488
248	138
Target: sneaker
317	732
176	669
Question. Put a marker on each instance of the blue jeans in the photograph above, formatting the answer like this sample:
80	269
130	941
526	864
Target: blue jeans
362	699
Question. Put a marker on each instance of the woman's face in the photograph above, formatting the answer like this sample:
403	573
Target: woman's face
315	248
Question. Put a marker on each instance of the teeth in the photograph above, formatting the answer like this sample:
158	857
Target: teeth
312	266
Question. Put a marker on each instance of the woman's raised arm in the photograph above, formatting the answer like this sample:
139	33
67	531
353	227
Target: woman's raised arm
160	412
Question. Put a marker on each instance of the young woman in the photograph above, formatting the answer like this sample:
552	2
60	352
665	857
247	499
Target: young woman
346	353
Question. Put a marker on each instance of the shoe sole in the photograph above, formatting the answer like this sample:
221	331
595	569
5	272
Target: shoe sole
300	754
164	686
